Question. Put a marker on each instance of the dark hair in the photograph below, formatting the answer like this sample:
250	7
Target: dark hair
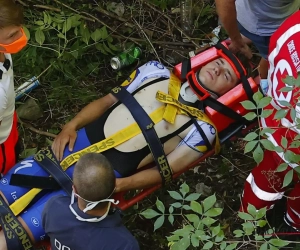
246	63
94	178
10	14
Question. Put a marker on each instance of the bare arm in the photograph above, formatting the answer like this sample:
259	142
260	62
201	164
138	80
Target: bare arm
228	17
87	115
180	158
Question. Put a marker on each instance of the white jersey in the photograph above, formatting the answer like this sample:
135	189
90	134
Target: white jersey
154	69
7	100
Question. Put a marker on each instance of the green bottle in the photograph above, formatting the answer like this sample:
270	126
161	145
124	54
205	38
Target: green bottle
126	58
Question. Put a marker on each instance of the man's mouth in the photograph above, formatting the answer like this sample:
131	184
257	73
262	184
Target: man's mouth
210	74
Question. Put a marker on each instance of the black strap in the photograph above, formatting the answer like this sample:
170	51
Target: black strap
30	181
15	234
185	68
47	160
6	65
147	127
203	135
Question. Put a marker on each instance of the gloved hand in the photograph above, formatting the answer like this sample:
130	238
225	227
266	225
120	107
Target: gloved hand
264	86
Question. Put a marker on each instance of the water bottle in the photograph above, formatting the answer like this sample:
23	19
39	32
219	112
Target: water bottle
186	17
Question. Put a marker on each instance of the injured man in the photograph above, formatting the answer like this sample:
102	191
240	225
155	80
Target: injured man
154	116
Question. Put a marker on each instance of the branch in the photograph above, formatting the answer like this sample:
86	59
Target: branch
33	129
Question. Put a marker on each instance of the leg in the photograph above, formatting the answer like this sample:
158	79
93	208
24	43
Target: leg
293	207
264	185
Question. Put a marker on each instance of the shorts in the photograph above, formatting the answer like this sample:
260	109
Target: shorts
8	149
260	42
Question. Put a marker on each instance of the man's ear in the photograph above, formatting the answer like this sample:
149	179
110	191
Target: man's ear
74	189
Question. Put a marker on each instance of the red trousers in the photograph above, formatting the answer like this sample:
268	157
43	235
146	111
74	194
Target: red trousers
264	187
8	155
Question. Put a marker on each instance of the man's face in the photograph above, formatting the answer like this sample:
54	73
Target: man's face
10	34
218	76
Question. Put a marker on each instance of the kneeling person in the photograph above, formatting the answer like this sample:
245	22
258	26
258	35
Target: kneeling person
88	223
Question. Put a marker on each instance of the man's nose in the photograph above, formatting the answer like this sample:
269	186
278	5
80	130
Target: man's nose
218	70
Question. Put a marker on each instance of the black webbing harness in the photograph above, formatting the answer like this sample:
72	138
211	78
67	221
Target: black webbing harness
147	127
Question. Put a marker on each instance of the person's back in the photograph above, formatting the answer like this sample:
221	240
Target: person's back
263	17
65	231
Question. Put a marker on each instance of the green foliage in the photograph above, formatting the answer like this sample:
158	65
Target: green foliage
201	228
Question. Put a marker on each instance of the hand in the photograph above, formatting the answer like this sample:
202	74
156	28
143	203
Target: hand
67	136
240	46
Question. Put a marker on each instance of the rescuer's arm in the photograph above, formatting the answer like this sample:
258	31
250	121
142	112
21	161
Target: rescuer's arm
87	115
178	159
227	13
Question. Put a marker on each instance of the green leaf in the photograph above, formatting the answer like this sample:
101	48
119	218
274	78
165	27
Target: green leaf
245	216
223	245
108	49
284	103
192	197
193	218
264	246
248	105
289	80
258	237
293	114
176	204
195	240
171	219
67	25
286	89
257	97
261	213
220	236
96	35
196	207
85	33
27	33
265	101
273	248
266	113
209	202
208	245
282	167
281	113
186	207
250	116
185	231
39	23
267	144
278	149
278	242
288	178
213	212
248	228
112	47
39	36
28	152
104	33
258	154
261	223
250	145
251	136
175	195
184	243
238	233
208	221
231	246
284	142
171	209
251	210
149	213
184	189
267	130
160	206
216	230
159	222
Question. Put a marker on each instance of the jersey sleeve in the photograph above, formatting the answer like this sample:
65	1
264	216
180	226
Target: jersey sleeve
46	210
152	69
194	139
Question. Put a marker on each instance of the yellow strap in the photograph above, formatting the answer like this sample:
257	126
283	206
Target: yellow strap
162	97
113	140
173	89
20	204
